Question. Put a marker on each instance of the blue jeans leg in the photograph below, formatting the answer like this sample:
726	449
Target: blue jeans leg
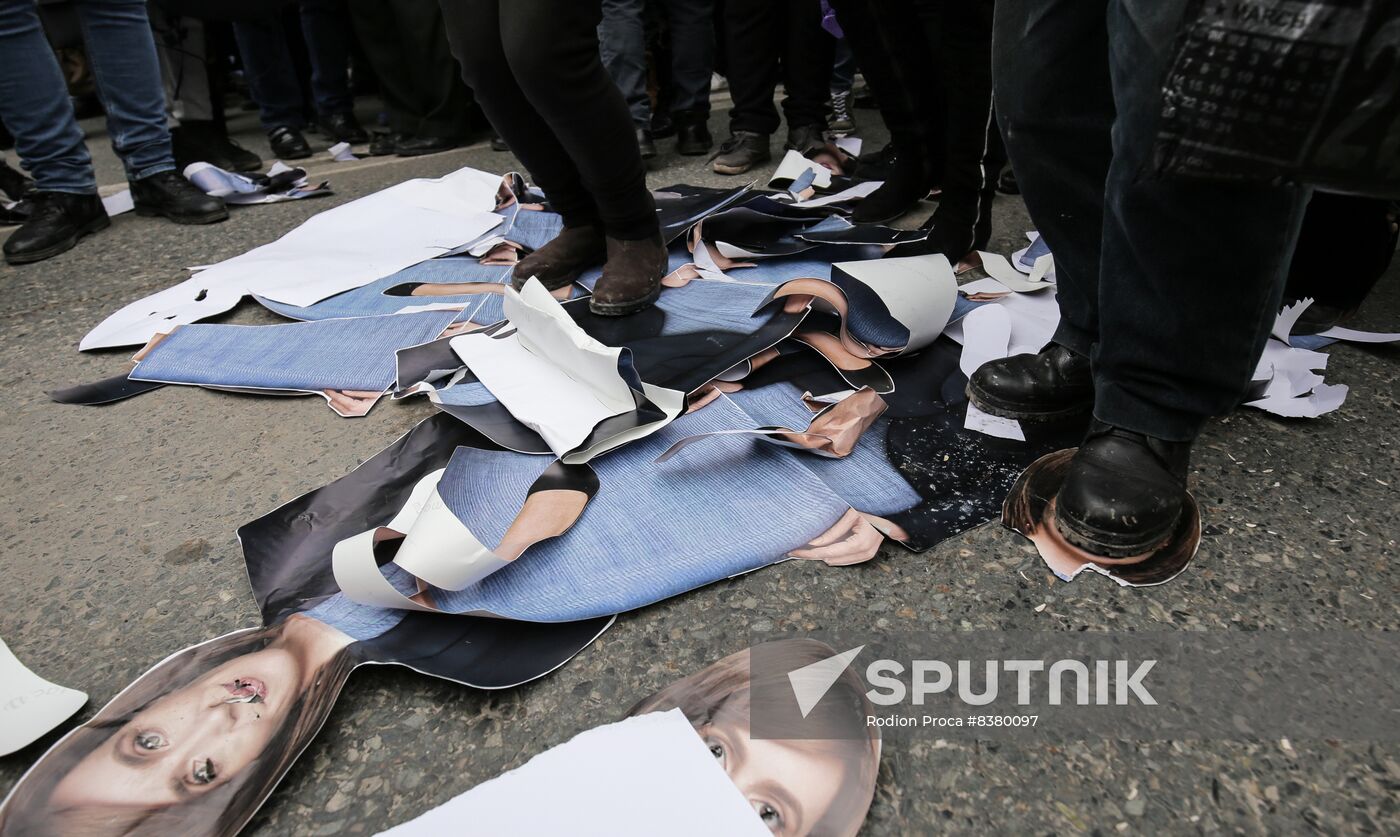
122	51
622	44
35	107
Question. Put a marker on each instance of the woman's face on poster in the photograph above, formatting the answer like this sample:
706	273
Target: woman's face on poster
189	741
789	786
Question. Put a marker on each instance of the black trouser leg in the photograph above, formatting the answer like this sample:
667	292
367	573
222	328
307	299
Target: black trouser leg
1189	273
1055	104
377	27
959	35
554	104
753	29
445	104
808	53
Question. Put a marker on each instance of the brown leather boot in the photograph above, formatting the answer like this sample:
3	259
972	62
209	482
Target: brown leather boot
631	278
560	261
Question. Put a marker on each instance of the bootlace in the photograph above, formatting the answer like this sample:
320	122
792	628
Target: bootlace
841	107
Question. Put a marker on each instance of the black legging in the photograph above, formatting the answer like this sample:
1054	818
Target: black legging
535	68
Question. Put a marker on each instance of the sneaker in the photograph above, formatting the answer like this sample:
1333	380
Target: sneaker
169	195
741	152
56	221
288	144
841	121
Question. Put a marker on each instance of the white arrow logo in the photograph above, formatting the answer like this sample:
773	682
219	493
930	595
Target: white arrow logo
811	682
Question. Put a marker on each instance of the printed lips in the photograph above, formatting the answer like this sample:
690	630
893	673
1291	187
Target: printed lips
246	690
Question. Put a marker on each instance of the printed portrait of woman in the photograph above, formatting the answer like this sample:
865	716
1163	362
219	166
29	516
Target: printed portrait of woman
195	745
818	786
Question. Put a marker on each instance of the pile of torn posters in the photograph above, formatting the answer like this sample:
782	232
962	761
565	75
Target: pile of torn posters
792	394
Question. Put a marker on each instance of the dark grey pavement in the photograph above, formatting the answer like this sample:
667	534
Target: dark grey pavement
118	546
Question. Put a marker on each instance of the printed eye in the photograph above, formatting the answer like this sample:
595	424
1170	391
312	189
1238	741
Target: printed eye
149	741
770	816
203	772
717	750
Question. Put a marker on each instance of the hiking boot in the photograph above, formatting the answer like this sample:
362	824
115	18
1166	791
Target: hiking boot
56	221
170	195
556	264
631	278
1123	492
741	152
1052	384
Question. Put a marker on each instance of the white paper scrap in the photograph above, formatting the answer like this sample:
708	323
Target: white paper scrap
990	425
1283	323
341	153
1353	336
639	777
118	203
30	706
1324	399
986	336
860	190
556	379
793	165
1001	270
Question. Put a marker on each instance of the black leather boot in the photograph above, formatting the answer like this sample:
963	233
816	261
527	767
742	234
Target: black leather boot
645	144
1123	492
1052	384
559	262
171	196
741	152
56	221
906	183
631	278
693	134
288	144
344	127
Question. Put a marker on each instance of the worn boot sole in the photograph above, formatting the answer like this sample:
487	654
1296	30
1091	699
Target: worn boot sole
722	168
193	220
1113	544
992	406
549	284
622	309
95	225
